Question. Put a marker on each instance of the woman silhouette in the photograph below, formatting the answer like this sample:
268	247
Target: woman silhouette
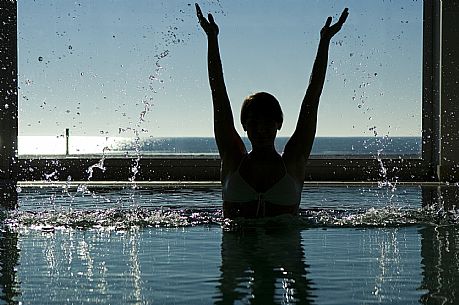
262	182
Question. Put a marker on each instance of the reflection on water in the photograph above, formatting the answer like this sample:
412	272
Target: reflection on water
197	259
263	265
440	264
9	256
157	266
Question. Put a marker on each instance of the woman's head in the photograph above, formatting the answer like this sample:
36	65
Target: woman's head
261	105
261	117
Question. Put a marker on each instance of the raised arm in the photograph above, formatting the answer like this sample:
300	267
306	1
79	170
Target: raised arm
228	140
300	144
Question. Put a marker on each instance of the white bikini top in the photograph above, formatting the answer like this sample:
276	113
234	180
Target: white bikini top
286	191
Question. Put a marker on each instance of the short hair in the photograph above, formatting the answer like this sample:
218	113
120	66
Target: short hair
264	104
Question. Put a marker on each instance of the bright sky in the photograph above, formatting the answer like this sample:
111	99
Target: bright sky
96	67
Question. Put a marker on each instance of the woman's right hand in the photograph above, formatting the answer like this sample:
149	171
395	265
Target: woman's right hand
209	26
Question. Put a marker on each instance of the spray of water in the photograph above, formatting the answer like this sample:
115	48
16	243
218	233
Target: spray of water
98	165
170	38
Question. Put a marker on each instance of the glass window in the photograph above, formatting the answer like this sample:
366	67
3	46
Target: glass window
112	72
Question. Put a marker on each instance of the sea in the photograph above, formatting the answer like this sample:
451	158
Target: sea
323	146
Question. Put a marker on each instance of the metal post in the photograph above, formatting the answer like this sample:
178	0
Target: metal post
431	86
8	101
67	135
448	165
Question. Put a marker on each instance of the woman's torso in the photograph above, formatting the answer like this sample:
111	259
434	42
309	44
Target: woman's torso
260	188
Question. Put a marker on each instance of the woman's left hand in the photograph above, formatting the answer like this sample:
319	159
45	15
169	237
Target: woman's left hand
328	31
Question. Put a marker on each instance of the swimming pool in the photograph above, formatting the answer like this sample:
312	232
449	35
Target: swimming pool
352	244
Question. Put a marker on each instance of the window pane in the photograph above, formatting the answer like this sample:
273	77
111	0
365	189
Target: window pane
111	72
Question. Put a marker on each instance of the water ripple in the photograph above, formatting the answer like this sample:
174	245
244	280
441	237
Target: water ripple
126	218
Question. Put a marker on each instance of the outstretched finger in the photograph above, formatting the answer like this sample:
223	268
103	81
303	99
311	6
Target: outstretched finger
328	22
343	16
198	11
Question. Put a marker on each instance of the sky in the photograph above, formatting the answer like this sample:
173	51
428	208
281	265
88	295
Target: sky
111	68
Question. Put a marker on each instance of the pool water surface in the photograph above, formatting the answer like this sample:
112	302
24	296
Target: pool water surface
350	245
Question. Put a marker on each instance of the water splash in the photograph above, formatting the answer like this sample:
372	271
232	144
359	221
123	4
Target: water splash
136	165
73	206
123	219
384	181
110	219
51	175
98	165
